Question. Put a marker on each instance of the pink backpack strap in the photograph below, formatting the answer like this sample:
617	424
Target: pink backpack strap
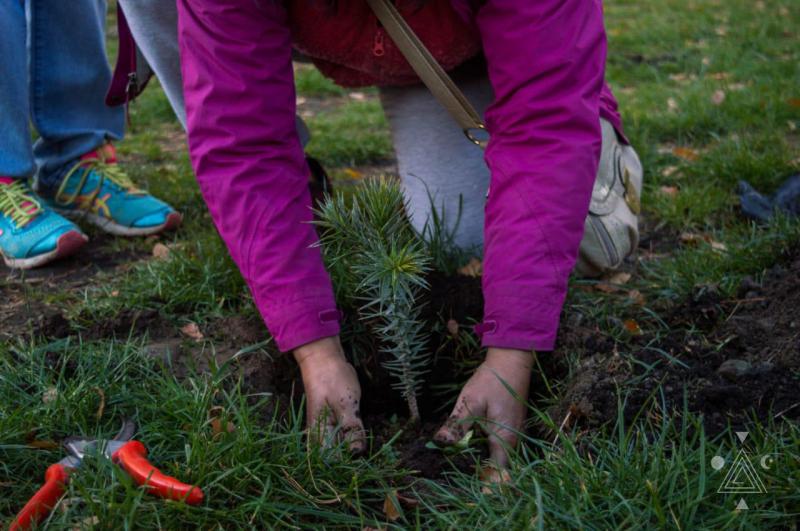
131	72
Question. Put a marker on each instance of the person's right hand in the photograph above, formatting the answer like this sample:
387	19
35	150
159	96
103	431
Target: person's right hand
333	393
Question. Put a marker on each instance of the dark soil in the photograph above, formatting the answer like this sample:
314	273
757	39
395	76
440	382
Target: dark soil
743	361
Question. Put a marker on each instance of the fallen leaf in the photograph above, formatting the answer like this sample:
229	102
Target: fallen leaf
390	508
672	104
406	500
50	395
694	238
161	251
706	61
718	97
605	287
43	445
636	297
358	96
353	174
719	76
452	327
686	153
115	293
794	102
632	327
218	422
669	171
87	523
192	331
300	100
791	125
620	278
718	246
473	269
669	191
219	426
721	31
735	87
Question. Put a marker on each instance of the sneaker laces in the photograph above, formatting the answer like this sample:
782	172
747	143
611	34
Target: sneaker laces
107	172
18	203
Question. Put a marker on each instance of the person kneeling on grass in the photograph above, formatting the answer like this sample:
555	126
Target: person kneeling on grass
551	119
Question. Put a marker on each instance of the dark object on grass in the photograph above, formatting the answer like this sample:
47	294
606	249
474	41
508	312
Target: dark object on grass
763	208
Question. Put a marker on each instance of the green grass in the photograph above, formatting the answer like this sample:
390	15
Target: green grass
645	475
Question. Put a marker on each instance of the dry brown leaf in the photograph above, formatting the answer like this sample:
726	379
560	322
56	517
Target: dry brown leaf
719	76
669	191
390	508
794	102
115	293
452	327
358	96
686	153
300	100
721	31
161	251
632	327
473	269
605	287
87	523
619	279
353	173
192	331
694	238
706	61
407	501
43	444
718	97
222	426
636	296
669	171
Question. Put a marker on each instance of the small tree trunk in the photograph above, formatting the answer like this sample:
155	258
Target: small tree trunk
413	408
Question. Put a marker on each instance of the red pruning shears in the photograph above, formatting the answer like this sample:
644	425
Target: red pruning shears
130	455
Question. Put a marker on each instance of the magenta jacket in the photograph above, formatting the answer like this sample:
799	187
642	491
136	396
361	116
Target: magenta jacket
546	61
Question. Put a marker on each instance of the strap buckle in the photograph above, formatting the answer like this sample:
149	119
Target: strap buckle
481	139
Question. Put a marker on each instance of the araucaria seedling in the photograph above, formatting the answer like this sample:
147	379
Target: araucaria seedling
378	265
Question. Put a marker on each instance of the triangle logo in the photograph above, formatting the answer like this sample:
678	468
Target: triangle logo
742	505
742	435
742	478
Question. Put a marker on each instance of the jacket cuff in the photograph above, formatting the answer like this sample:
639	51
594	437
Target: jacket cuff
303	323
522	323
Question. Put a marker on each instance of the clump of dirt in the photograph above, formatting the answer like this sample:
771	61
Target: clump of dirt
745	362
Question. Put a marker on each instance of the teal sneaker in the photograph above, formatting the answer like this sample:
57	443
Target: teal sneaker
98	190
32	235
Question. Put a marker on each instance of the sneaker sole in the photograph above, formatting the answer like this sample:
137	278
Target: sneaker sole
172	222
67	244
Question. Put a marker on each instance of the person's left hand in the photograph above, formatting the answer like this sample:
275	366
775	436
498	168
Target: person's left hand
486	399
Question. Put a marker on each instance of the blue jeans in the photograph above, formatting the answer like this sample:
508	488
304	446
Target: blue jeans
53	73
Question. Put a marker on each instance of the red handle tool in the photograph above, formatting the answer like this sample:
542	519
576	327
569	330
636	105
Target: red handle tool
132	457
38	507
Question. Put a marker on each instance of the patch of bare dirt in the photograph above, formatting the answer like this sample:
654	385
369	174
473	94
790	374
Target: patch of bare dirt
743	363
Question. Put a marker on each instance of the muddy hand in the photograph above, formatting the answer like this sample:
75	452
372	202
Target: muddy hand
486	399
333	394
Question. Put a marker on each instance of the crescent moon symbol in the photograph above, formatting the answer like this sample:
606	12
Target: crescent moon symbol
764	461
